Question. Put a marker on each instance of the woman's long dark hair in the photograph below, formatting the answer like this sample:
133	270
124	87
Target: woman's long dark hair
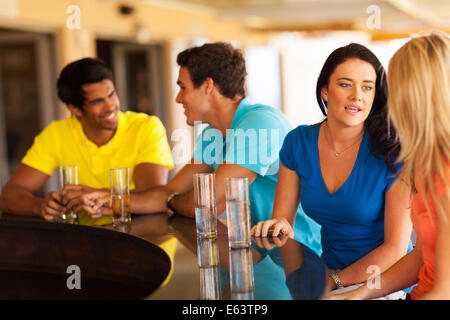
381	140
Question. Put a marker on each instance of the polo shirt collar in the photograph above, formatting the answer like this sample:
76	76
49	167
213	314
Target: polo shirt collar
115	140
240	111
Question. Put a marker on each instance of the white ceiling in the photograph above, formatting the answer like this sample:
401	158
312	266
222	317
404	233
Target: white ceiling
373	15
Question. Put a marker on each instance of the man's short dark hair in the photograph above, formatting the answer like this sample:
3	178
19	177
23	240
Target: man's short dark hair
218	61
78	73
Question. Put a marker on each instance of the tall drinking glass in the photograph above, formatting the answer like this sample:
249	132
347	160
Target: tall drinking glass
238	212
205	204
68	175
120	196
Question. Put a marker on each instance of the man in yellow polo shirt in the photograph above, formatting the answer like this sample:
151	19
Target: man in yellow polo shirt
97	137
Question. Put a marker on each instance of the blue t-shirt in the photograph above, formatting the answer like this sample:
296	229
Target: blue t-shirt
352	218
253	142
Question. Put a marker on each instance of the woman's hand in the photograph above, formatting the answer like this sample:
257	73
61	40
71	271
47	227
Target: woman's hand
270	243
278	226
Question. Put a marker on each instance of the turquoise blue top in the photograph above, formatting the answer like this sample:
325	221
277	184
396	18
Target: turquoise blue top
254	141
352	218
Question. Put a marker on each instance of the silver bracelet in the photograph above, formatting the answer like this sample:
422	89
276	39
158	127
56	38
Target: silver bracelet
333	275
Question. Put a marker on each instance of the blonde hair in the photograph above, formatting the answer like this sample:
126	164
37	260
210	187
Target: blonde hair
419	107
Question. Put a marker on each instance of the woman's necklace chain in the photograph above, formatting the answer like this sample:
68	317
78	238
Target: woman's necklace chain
337	154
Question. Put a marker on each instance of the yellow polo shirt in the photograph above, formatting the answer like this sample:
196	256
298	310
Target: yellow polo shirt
139	138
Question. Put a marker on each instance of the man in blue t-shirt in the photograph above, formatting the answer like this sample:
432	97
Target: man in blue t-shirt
242	140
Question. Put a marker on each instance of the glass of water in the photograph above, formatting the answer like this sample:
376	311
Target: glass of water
238	212
205	204
120	196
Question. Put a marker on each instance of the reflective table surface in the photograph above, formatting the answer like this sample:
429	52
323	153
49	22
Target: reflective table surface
119	264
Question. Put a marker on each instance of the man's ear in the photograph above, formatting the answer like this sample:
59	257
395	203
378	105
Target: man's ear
209	85
74	110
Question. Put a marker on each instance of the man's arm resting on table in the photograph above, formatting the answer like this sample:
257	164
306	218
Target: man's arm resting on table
18	198
148	175
184	203
155	199
150	186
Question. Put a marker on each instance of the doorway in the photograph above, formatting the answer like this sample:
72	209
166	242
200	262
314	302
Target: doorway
27	94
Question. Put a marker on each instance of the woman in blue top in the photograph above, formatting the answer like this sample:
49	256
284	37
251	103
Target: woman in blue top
343	171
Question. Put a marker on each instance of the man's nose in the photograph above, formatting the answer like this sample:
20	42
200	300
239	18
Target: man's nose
178	98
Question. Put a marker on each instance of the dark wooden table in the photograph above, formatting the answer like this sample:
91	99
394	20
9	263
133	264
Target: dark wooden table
35	256
44	260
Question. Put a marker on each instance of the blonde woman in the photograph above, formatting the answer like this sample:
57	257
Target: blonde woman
419	106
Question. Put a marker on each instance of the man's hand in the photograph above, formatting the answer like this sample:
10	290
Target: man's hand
51	207
96	202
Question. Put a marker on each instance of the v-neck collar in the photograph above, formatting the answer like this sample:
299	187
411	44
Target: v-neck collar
360	151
